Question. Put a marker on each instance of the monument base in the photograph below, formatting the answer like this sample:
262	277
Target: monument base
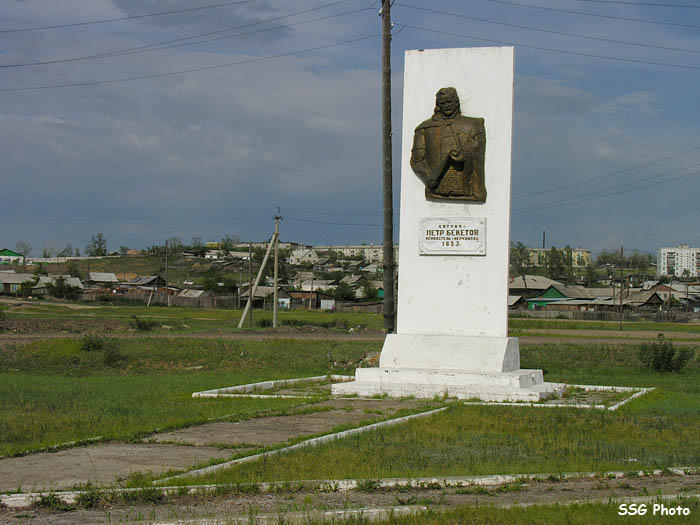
463	367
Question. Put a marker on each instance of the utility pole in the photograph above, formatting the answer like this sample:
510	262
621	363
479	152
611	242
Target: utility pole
389	299
167	295
250	284
622	264
249	304
274	293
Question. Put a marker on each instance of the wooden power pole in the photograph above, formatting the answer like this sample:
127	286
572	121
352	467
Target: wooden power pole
274	293
388	252
622	264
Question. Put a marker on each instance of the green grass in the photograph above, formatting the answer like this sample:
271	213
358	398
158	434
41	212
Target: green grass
518	324
581	513
195	319
655	431
182	319
53	392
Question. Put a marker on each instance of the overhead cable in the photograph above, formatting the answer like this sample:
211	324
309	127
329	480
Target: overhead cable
554	50
596	15
652	4
607	175
550	31
584	198
164	45
191	70
133	17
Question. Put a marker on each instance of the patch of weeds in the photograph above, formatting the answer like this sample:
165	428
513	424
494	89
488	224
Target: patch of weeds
511	487
264	323
331	486
474	489
662	356
626	486
573	392
53	502
89	498
368	485
111	356
95	343
555	478
142	325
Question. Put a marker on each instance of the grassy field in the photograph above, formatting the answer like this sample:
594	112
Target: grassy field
189	320
656	431
52	392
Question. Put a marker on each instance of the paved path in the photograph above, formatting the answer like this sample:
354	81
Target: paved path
103	463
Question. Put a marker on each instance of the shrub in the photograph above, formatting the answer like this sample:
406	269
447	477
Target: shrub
112	356
94	343
663	357
142	325
264	323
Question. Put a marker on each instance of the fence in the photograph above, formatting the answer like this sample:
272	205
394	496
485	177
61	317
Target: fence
610	315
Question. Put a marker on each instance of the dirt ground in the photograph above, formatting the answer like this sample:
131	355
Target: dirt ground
276	505
101	464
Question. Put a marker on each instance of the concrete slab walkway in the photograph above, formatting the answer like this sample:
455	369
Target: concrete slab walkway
184	449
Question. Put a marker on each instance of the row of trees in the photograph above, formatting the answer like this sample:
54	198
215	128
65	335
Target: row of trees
95	248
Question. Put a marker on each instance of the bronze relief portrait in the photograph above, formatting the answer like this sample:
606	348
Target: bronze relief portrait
449	150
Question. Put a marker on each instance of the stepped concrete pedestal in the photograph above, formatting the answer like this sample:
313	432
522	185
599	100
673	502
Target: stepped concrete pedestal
452	317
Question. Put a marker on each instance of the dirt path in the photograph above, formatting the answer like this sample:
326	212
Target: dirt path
561	337
309	501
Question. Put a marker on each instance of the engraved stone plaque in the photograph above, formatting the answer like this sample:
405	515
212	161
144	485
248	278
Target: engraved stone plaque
453	236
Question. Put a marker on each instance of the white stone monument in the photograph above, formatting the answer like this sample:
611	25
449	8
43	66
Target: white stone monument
452	321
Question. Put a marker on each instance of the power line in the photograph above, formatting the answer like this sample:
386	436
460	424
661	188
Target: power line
550	31
334	214
133	17
554	50
652	4
569	199
606	175
333	222
163	45
191	70
578	200
596	15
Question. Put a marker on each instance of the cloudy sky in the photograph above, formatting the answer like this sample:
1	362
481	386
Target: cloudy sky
201	122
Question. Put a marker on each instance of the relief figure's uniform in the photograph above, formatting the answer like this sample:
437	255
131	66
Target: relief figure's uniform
444	175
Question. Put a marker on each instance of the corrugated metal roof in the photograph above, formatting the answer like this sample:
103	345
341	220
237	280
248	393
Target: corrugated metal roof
102	277
15	278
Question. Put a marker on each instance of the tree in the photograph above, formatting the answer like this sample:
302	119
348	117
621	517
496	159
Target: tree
228	241
123	250
67	251
369	291
197	243
568	254
59	288
343	292
591	275
24	248
74	270
520	261
174	245
97	246
554	263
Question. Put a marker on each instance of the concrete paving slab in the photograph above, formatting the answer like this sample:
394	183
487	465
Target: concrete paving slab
100	464
280	429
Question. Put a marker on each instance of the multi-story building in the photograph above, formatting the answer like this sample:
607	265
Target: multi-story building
681	261
581	257
368	252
